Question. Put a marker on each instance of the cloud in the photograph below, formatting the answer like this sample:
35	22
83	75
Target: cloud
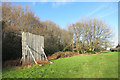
57	4
99	11
114	43
109	13
33	3
60	0
96	10
112	9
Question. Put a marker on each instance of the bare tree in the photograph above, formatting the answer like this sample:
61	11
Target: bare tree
90	35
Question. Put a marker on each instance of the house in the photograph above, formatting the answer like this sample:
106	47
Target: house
117	49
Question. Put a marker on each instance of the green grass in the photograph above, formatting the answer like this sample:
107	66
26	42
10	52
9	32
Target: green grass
108	52
82	66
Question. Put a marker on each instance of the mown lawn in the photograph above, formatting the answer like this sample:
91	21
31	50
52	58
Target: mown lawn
81	66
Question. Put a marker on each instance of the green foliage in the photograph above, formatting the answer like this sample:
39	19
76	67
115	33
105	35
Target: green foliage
12	47
108	52
85	66
67	48
91	52
114	49
97	49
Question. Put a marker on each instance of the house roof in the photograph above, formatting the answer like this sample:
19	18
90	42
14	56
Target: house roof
118	46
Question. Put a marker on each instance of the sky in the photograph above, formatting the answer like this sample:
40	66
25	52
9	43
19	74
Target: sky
64	13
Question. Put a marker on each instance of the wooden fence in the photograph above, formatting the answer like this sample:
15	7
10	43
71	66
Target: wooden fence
32	47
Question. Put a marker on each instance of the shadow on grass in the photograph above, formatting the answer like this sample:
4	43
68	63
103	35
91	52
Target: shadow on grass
105	52
108	52
52	60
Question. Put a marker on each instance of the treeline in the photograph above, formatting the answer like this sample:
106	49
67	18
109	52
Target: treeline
82	37
90	35
16	19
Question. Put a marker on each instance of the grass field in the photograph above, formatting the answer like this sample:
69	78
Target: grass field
81	66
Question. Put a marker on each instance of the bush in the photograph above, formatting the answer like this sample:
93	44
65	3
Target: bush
67	49
91	52
12	47
97	49
63	54
114	49
42	62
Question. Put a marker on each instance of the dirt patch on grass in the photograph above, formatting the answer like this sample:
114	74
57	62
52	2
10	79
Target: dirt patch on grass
16	64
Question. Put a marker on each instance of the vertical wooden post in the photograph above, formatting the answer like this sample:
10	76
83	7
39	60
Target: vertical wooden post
23	48
31	54
30	44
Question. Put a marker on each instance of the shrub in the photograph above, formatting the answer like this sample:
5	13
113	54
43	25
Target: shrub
10	63
67	49
63	54
91	52
114	49
97	49
42	62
